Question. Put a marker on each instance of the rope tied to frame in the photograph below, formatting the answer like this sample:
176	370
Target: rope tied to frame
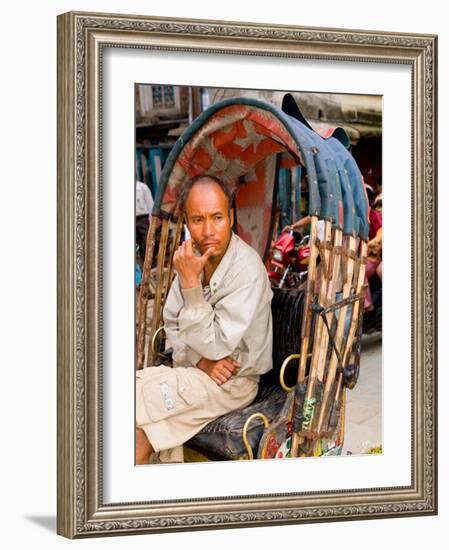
322	311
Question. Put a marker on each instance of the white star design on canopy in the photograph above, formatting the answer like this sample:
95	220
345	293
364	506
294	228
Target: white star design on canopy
252	137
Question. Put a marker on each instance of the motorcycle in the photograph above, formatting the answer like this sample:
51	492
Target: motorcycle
289	260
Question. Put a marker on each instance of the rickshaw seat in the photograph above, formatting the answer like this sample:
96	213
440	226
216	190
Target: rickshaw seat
222	438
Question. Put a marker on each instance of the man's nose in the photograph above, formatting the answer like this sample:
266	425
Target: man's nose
208	228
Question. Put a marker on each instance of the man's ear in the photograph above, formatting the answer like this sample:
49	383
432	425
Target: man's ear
231	216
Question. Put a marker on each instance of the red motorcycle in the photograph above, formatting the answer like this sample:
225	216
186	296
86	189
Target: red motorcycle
289	260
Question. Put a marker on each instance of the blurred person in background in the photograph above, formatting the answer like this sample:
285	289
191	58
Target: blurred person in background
144	206
374	260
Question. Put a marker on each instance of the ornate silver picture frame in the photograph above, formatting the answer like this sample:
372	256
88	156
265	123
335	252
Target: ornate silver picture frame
83	39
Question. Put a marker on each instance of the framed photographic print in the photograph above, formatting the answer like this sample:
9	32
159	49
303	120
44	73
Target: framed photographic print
315	133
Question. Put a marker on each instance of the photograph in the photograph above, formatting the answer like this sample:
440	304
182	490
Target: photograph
238	345
258	273
224	303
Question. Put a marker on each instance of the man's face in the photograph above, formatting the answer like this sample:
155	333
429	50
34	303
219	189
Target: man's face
208	218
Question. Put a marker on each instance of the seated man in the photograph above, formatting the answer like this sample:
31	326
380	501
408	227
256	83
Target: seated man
217	320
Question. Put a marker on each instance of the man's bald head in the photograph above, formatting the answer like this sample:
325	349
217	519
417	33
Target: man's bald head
204	179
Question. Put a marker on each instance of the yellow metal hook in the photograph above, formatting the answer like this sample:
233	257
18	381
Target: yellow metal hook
153	341
245	429
282	371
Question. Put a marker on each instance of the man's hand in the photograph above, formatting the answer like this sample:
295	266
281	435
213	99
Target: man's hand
220	371
188	265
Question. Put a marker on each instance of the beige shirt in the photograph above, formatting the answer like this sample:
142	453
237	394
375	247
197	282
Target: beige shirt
231	316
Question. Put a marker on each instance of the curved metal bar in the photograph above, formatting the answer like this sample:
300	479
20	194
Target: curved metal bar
282	371
245	429
153	340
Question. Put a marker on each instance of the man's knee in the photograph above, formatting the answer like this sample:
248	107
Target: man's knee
143	447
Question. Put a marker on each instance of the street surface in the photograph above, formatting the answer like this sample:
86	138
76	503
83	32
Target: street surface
364	402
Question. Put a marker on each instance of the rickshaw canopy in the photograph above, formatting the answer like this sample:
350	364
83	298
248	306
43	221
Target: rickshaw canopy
246	142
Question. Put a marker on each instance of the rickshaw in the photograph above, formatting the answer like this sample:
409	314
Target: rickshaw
249	144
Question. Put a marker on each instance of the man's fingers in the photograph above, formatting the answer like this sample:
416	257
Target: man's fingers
220	371
208	253
219	377
230	364
184	249
226	368
233	361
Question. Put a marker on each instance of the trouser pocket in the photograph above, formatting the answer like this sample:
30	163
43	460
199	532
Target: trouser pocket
170	391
